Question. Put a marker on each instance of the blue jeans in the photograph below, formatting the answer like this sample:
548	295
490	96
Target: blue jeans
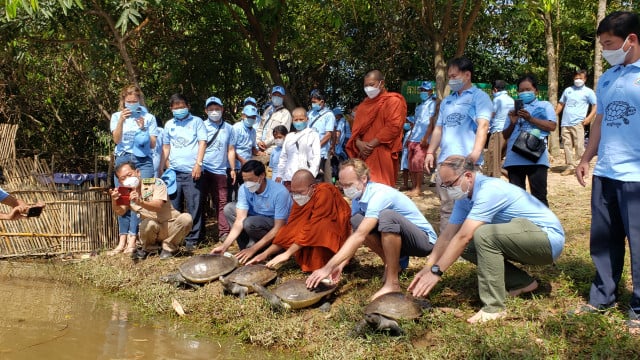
128	223
188	193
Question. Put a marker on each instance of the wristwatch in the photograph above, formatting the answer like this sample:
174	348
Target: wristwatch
199	163
435	269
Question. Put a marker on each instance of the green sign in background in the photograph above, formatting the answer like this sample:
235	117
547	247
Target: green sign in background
410	90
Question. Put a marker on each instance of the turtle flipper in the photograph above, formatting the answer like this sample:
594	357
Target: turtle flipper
272	298
359	329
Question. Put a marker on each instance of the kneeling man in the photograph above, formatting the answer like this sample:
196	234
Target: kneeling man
262	209
161	225
383	219
317	227
493	223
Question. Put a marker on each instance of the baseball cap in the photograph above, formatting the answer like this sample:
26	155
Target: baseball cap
249	100
278	89
250	110
141	144
337	111
169	178
426	85
213	100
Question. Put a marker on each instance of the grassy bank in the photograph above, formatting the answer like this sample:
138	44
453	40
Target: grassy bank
538	326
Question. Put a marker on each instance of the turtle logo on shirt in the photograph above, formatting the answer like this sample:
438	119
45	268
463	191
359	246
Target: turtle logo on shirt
454	119
619	110
179	142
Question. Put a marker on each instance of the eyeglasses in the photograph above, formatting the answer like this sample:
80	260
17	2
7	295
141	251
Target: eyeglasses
451	184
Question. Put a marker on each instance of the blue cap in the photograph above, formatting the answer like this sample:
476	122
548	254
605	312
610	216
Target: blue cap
278	89
141	144
213	100
169	178
426	85
249	100
250	110
337	111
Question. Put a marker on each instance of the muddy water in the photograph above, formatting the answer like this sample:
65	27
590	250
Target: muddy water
42	319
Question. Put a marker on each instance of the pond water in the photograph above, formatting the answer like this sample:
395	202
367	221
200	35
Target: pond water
43	319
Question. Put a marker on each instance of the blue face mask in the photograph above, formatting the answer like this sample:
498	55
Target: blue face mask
316	107
180	114
527	96
249	122
299	125
424	96
132	107
407	126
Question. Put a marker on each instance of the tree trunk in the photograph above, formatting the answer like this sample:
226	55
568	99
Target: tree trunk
552	83
597	61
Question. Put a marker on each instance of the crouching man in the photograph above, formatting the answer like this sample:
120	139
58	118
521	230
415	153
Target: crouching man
161	226
493	224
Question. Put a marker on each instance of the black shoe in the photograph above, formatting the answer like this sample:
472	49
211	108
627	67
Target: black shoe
139	254
165	254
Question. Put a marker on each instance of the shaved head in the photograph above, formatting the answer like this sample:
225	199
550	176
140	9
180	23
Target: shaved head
302	178
374	74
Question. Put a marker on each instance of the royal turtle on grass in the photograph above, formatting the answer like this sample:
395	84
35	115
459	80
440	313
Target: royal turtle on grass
202	269
293	294
384	312
240	282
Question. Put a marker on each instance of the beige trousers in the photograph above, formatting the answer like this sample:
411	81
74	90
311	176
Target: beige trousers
573	140
168	235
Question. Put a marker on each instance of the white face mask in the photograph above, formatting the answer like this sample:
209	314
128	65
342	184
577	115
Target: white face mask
352	192
215	115
372	91
252	186
301	199
616	57
578	82
131	182
277	101
278	142
456	193
456	84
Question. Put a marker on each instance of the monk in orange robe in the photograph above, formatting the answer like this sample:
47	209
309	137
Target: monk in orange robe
376	136
318	225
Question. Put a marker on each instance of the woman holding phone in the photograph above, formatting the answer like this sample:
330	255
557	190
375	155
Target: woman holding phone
134	132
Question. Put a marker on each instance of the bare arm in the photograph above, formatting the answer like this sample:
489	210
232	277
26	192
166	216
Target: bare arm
246	254
592	150
236	230
481	139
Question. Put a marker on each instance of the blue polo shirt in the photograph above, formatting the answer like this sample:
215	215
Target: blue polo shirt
322	122
129	130
274	160
458	117
576	102
538	109
378	197
495	201
244	141
215	156
502	104
618	97
183	137
343	127
424	112
3	194
274	202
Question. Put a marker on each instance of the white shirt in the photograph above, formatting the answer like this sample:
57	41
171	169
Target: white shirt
301	150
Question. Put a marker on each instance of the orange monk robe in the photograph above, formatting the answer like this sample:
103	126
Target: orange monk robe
381	117
321	227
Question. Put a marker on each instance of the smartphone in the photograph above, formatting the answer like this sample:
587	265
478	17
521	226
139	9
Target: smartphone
519	105
34	211
124	195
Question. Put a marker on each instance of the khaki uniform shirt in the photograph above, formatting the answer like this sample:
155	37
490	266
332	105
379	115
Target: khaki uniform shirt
154	189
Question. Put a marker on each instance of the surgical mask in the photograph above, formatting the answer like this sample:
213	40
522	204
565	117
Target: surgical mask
372	91
278	142
252	186
299	125
352	192
132	107
616	57
277	101
180	114
424	96
249	122
527	96
316	106
456	193
301	199
131	182
215	115
407	126
578	82
456	84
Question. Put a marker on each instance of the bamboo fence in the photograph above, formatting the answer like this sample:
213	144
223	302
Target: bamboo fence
77	218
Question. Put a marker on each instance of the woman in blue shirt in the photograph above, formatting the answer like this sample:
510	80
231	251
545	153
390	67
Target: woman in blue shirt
536	117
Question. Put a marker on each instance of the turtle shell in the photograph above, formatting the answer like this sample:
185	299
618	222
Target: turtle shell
395	305
249	274
295	293
205	268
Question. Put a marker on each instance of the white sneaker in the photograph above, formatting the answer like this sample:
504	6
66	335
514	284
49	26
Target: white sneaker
481	317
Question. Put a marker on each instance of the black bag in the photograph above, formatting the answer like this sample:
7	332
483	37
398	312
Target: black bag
529	146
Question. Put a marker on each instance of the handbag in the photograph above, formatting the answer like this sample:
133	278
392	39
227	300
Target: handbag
529	146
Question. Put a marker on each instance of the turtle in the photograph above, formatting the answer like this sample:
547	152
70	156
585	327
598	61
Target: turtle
293	294
240	282
384	312
201	269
